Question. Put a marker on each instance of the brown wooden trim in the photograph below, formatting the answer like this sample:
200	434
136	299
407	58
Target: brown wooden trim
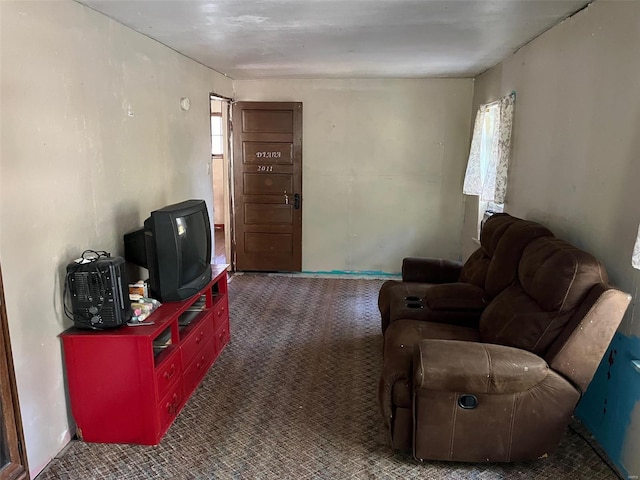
232	246
17	468
219	97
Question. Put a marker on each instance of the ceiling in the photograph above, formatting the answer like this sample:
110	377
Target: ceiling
255	39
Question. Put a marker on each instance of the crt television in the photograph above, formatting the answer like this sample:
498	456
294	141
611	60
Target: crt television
175	246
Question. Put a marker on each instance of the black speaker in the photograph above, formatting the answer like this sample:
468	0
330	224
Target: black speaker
98	289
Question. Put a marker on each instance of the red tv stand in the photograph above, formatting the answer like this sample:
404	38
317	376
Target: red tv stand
127	385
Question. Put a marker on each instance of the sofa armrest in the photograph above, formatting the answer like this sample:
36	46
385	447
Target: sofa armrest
430	270
577	352
473	367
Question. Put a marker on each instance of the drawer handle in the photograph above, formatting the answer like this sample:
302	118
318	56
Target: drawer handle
171	373
172	407
200	363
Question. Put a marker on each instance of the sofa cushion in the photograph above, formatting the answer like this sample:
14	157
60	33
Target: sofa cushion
493	230
404	335
558	275
514	319
554	277
503	269
475	269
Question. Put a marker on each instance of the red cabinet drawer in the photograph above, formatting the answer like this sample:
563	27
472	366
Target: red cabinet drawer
168	373
220	313
169	406
194	343
194	372
222	336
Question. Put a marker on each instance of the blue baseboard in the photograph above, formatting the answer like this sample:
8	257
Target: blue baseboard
362	273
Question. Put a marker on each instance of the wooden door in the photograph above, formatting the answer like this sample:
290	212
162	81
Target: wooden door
13	460
267	197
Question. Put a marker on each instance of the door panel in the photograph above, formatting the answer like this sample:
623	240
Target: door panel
258	213
268	243
267	121
267	184
279	153
267	167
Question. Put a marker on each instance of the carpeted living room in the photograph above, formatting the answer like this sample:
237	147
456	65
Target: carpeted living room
294	395
428	209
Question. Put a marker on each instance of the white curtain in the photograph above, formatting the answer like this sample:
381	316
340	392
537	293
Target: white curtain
635	257
486	174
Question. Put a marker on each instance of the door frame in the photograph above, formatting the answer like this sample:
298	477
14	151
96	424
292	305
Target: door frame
227	177
17	468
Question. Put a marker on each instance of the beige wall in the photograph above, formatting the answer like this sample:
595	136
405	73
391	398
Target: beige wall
383	162
576	166
92	140
576	142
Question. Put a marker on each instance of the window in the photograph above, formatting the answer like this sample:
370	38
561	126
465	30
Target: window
486	174
217	147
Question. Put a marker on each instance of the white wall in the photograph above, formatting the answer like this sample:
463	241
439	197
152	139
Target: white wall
383	162
576	167
92	140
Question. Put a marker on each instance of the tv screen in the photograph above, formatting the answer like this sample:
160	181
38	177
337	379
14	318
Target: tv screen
175	246
191	230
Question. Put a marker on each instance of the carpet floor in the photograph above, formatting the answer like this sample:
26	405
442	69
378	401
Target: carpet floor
294	396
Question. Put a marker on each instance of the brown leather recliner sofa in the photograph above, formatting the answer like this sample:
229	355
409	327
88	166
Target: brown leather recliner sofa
499	382
445	291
